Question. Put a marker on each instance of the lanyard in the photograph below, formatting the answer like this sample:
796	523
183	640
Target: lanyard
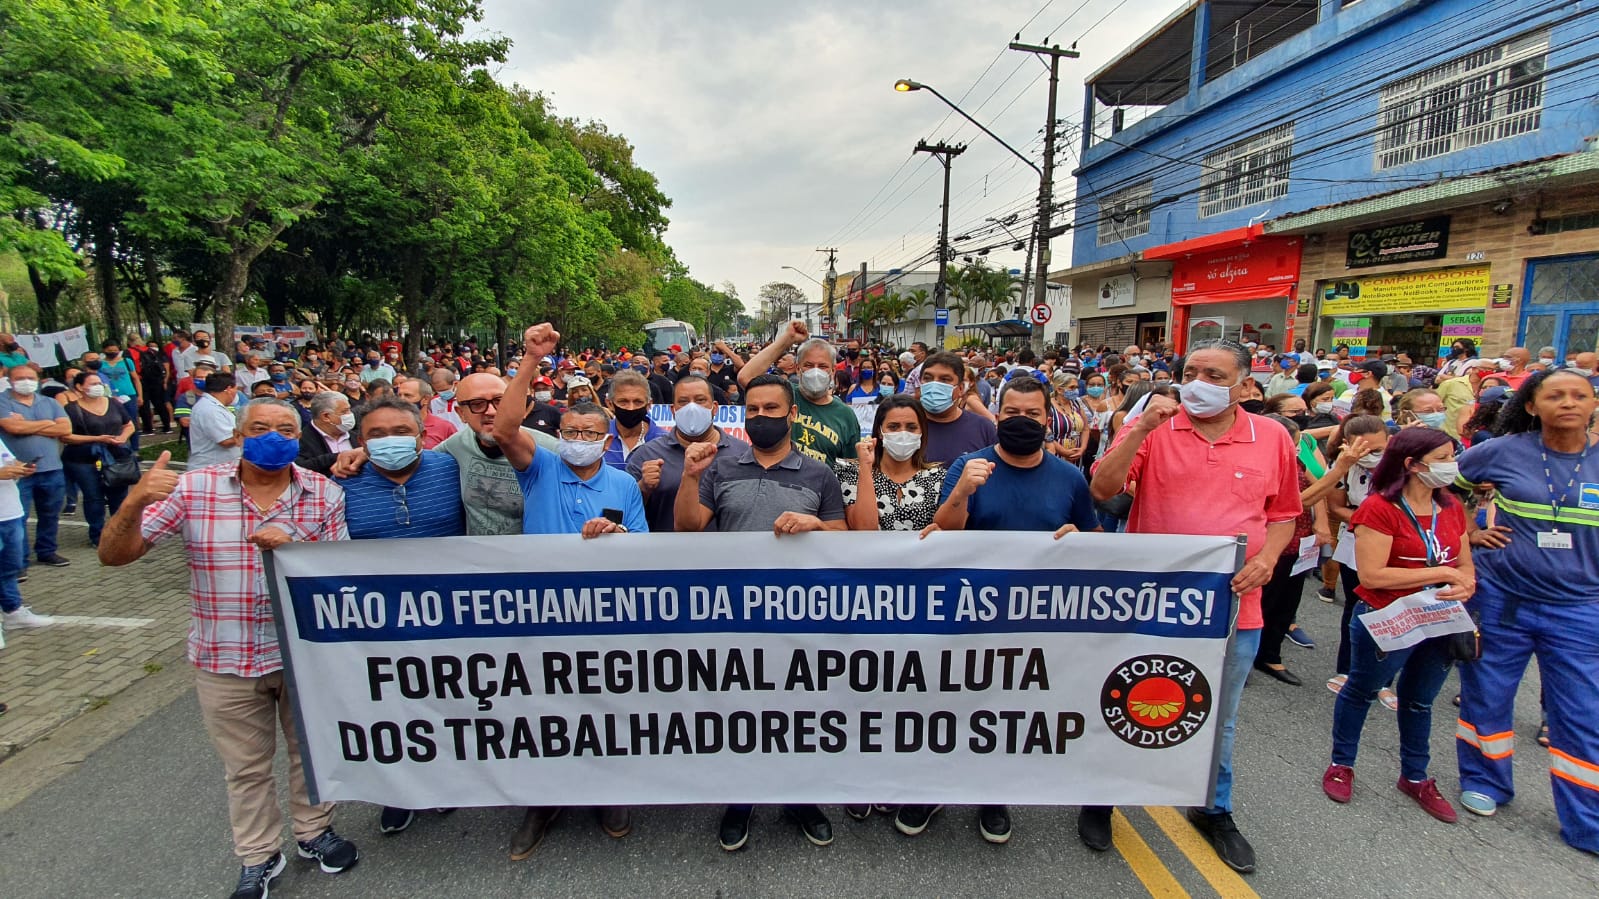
1429	536
1549	479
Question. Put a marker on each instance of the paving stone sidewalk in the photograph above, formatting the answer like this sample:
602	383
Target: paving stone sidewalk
50	675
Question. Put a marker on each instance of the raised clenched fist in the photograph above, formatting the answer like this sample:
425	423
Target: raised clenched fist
698	458
540	340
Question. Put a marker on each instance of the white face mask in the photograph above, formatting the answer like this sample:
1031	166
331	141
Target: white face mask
25	387
692	420
901	445
581	453
95	391
1324	408
1439	474
347	422
1203	399
1369	460
815	382
542	396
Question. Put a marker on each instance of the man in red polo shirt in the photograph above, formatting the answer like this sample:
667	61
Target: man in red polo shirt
1208	467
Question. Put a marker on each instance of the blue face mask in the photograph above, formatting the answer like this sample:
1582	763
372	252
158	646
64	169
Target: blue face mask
1434	420
1096	391
450	394
716	359
199	383
937	396
270	451
392	453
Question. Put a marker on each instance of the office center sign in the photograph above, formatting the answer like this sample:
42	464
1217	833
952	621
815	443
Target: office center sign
1416	241
1439	290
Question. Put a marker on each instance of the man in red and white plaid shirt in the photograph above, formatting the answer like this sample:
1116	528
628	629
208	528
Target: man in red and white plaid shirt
228	513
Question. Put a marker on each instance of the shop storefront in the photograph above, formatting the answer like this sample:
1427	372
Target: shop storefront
1116	303
1238	285
1418	313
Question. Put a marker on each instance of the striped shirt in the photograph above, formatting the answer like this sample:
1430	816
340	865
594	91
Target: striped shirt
428	504
230	625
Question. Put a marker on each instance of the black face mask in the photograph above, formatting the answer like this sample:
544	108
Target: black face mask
632	418
766	431
1301	421
202	344
1253	407
93	366
1020	436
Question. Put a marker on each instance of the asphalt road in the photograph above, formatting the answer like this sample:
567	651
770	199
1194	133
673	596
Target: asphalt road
144	815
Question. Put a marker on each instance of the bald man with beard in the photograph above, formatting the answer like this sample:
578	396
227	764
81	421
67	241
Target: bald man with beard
489	488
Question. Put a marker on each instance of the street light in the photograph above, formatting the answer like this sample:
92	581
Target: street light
906	85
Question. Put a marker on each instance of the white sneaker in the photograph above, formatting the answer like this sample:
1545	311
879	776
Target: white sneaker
26	617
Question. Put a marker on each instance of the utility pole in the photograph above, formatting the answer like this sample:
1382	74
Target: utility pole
829	282
1046	184
945	154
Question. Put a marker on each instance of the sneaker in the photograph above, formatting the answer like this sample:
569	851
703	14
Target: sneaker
332	851
1093	827
1389	699
395	820
858	812
1338	783
1325	594
1426	794
1231	847
255	881
1300	638
911	820
1478	803
1336	682
993	821
812	822
69	508
23	579
26	617
55	560
735	830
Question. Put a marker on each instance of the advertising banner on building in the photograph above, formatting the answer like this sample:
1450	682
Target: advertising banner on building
711	668
1354	333
1460	326
1439	290
1416	241
1259	268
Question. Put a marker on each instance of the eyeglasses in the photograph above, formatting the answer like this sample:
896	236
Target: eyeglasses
584	436
402	511
480	406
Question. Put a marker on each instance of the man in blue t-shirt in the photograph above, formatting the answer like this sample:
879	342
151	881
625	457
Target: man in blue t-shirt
400	491
1014	486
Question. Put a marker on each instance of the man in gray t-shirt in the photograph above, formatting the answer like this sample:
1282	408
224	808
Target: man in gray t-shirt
32	427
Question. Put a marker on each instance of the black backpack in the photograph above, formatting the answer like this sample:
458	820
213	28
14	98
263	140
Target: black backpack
151	366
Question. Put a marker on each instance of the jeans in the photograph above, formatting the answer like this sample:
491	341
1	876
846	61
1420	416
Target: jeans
132	408
1351	579
13	547
97	497
1240	661
1422	670
44	491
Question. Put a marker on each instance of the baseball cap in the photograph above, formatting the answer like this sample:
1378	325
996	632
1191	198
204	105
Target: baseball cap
578	381
1326	365
205	363
544	382
676	348
1493	395
567	365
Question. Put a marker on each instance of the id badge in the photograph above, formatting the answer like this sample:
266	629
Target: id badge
1553	540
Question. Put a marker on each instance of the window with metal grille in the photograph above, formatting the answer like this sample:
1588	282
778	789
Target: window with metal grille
1484	96
1253	170
1125	213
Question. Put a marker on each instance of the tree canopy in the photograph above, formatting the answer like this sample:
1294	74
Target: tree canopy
343	162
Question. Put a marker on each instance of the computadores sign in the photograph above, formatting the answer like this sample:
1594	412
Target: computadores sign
687	668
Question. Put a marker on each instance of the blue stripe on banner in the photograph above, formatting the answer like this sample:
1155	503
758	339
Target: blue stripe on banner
371	607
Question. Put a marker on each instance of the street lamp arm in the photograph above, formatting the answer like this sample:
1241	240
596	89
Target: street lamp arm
803	275
914	85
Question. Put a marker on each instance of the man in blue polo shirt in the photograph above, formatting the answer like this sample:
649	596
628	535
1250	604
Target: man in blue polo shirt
401	491
565	492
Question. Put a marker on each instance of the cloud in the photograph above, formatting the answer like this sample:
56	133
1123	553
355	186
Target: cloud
771	125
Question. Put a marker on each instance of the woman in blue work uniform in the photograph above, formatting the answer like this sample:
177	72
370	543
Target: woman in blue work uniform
1539	594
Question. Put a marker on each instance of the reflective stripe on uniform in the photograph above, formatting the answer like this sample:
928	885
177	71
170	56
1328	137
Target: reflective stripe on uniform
1544	512
1574	770
1494	746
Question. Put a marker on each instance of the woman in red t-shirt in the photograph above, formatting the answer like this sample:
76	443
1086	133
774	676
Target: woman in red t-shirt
1410	535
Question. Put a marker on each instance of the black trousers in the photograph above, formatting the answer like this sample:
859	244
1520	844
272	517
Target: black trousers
1279	605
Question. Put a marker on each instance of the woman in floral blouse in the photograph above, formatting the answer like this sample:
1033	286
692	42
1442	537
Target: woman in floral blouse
899	489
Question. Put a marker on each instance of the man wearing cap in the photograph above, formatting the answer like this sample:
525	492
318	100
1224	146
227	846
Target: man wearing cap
1398	378
563	373
543	415
1287	376
189	389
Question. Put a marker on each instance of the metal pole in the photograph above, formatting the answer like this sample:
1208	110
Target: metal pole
945	154
1046	184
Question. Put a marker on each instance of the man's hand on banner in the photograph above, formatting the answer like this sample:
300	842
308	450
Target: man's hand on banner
597	526
795	523
1066	529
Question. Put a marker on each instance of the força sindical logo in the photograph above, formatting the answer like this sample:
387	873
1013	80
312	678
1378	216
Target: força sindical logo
1155	701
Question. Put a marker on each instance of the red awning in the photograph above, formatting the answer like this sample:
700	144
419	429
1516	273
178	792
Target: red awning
1205	243
1238	295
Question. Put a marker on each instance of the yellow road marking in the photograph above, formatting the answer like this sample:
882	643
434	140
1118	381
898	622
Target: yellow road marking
1223	879
1147	866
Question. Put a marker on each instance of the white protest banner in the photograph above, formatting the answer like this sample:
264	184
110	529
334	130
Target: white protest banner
729	418
866	414
1411	619
825	667
74	341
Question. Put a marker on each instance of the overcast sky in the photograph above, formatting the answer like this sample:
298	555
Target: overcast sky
771	126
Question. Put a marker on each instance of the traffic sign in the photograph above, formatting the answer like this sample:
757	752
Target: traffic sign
941	316
1039	315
